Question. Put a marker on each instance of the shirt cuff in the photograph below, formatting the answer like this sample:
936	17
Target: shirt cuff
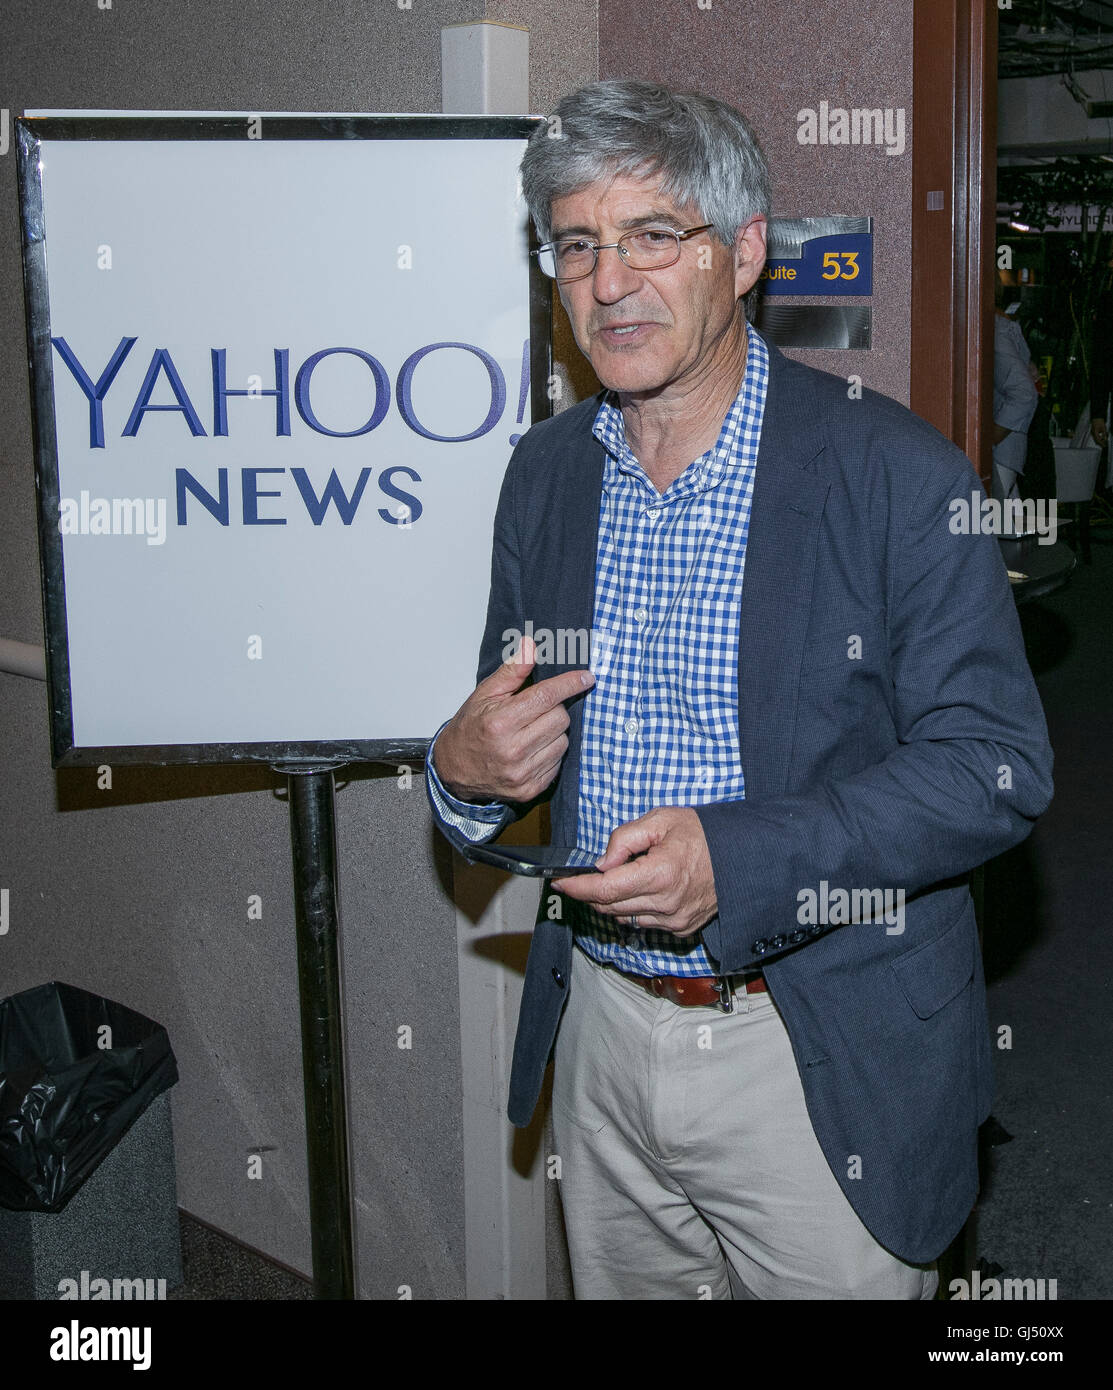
477	821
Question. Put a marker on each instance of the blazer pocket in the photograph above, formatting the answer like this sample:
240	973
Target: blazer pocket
933	974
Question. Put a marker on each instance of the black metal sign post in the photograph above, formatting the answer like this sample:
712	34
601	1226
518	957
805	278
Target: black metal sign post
317	907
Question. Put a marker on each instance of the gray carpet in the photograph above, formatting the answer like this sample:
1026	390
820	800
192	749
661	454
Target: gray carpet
217	1267
1047	1205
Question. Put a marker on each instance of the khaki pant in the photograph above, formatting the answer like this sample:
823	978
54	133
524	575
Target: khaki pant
689	1168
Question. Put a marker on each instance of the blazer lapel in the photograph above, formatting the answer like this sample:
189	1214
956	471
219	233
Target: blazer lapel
565	537
788	502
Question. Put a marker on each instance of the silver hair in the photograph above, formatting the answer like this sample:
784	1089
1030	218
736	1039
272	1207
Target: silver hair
703	151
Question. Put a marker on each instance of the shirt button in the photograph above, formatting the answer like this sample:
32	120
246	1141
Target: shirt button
640	614
651	512
631	726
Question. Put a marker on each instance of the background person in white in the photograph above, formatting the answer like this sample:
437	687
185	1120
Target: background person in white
1014	401
744	1106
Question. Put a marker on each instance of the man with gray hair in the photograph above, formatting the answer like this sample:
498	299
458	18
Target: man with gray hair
806	695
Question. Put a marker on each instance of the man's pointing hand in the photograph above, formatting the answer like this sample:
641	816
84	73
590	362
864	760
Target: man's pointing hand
505	743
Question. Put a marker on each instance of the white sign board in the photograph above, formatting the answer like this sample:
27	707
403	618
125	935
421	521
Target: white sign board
277	382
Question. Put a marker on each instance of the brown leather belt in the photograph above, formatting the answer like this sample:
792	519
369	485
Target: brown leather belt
698	989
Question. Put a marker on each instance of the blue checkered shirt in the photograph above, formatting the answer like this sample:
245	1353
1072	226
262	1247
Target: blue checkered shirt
660	726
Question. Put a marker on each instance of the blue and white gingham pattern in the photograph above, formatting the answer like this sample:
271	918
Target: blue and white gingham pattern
660	726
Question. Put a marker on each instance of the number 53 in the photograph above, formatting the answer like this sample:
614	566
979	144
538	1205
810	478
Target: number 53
833	271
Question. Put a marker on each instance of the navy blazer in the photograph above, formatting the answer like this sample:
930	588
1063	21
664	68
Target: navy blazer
902	760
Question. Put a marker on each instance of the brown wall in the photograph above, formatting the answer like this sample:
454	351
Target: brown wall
771	62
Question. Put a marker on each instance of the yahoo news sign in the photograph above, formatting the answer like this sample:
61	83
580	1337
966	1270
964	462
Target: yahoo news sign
277	383
212	499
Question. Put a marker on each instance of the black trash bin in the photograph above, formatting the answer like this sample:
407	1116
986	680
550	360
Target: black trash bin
88	1201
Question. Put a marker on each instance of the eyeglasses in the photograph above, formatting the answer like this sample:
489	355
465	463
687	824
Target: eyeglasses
650	248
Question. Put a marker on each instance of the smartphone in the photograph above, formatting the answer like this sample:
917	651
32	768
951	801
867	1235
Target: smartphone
535	861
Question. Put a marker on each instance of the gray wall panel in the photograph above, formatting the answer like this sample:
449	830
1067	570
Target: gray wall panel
140	892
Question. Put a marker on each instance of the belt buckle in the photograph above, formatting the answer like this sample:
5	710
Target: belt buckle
723	990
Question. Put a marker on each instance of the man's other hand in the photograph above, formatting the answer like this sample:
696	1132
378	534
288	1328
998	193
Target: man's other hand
669	885
505	743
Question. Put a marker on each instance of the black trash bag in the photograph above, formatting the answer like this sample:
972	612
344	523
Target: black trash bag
66	1101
